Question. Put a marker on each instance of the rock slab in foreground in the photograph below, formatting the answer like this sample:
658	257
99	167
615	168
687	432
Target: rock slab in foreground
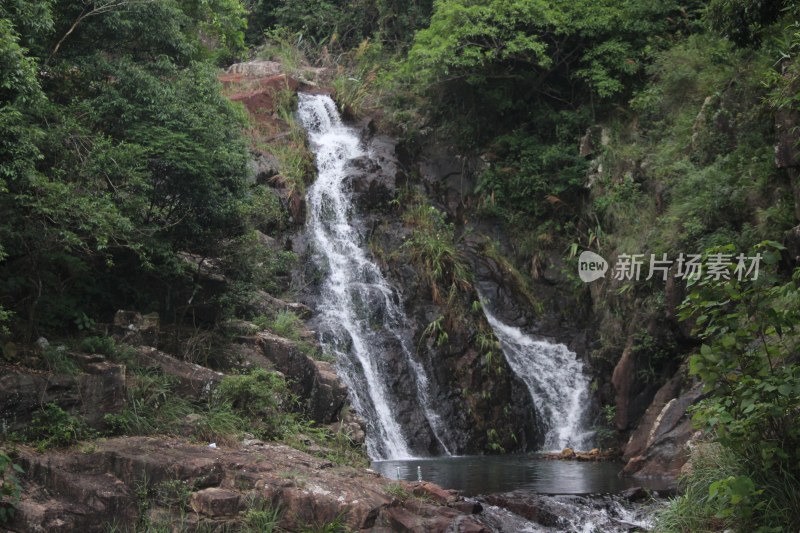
90	490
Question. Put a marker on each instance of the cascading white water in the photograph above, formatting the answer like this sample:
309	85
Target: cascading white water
556	382
358	313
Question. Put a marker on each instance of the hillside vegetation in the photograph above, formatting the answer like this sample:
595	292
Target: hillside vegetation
621	127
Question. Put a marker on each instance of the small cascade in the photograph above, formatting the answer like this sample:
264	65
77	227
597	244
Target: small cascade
360	319
556	382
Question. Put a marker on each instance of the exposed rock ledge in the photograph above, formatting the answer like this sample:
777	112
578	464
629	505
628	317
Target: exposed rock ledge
90	490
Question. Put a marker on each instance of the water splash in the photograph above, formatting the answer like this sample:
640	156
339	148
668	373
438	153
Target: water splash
361	321
556	382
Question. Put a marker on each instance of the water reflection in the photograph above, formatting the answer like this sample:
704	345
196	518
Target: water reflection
474	475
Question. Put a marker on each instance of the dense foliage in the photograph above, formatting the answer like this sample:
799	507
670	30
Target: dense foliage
619	126
118	152
748	364
636	127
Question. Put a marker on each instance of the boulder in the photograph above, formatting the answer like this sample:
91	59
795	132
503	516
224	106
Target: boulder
665	451
435	493
267	242
64	493
287	358
351	425
44	511
640	438
316	383
263	303
193	380
635	494
215	502
93	394
328	395
256	69
373	178
263	167
206	269
528	505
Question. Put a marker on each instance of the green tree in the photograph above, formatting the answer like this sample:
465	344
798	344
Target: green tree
117	150
749	367
743	21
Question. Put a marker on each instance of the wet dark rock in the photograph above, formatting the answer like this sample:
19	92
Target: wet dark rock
635	494
264	167
535	508
624	380
373	178
452	368
607	513
449	177
467	506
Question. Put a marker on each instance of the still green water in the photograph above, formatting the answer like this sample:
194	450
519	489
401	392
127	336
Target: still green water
474	475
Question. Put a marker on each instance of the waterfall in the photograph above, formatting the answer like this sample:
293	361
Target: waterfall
360	320
556	382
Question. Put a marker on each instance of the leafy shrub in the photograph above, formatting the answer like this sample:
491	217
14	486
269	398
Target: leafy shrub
58	361
9	487
606	434
261	397
54	427
694	510
172	493
152	406
748	365
102	345
432	247
261	518
537	175
287	324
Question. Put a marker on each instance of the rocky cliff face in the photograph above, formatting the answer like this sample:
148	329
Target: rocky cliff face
543	299
484	405
474	398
